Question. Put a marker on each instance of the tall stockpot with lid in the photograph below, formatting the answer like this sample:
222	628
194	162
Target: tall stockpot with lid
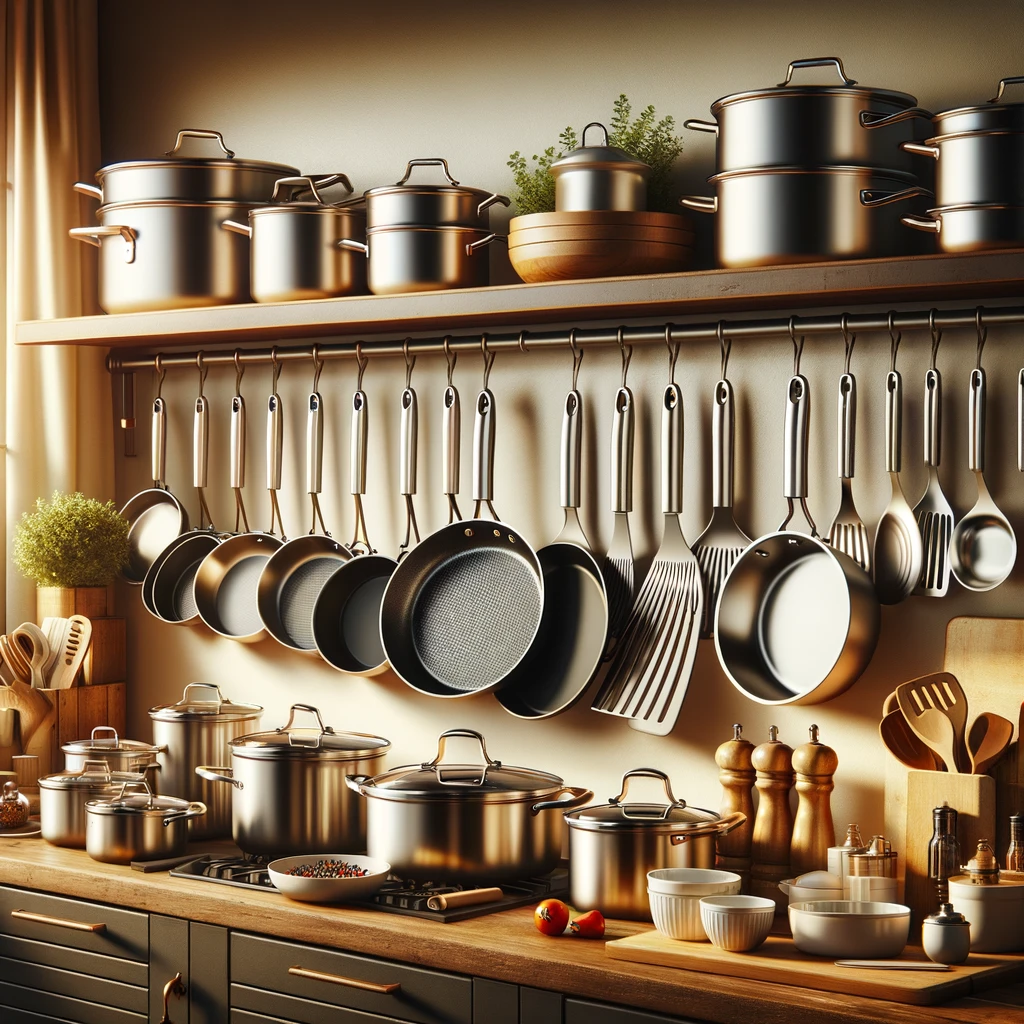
613	845
197	730
288	791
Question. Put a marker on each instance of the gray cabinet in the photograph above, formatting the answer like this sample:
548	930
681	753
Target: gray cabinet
581	1011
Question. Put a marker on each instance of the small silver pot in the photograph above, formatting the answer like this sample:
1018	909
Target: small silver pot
600	177
613	845
119	755
136	825
422	259
976	168
973	228
63	796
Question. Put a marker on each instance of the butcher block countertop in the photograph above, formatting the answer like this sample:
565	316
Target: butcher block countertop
504	946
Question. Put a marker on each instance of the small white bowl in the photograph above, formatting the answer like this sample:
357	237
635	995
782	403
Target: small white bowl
692	881
845	930
329	890
677	917
737	923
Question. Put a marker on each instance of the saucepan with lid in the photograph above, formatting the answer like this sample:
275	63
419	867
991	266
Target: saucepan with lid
613	845
105	745
63	796
600	177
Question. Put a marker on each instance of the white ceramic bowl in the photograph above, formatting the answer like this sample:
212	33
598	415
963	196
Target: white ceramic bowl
329	890
677	917
798	893
692	881
844	929
737	923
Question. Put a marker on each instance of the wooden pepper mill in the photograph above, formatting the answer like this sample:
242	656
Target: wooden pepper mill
773	824
813	832
736	772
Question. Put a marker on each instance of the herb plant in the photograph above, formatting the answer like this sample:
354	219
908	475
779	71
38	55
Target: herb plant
654	142
71	541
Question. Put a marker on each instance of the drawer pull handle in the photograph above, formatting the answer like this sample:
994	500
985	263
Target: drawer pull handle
175	987
58	922
337	979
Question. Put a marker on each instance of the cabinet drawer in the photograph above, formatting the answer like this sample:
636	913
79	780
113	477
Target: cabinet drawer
28	1017
62	1008
94	964
125	933
579	1012
245	1017
75	984
421	996
276	1007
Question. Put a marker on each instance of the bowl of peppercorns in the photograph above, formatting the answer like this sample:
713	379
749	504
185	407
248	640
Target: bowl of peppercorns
329	878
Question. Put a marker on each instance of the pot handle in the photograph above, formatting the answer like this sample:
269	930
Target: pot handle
202	686
700	204
84	189
427	161
442	742
695	124
93	235
353	246
491	200
96	768
647	773
921	148
471	247
871	119
933	224
218	774
199	133
722	827
358	783
818	62
321	731
196	809
304	183
1003	83
575	796
237	227
876	197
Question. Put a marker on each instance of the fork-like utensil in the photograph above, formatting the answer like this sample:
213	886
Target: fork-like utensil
935	707
848	533
619	578
933	512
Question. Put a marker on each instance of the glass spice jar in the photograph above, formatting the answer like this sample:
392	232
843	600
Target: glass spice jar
13	807
1015	853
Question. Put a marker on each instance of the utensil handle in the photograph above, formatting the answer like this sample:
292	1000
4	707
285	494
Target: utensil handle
818	62
410	431
794	465
847	424
314	444
893	422
672	450
275	441
159	466
199	686
932	418
238	441
200	441
722	827
572	450
237	227
723	430
976	428
451	440
483	447
623	430
357	453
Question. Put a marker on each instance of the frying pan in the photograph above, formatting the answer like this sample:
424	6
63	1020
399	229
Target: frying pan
797	622
295	574
348	609
228	577
155	516
463	608
569	646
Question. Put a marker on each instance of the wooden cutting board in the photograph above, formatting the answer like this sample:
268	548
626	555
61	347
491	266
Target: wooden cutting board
779	961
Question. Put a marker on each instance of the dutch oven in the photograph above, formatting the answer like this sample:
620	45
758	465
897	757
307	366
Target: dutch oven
599	177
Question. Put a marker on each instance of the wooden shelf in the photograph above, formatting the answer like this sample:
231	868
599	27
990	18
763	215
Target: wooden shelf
927	278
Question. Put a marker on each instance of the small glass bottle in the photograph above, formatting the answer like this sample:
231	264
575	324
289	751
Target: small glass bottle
1015	853
14	807
943	850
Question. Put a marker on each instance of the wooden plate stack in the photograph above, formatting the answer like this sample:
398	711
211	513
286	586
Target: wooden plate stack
598	243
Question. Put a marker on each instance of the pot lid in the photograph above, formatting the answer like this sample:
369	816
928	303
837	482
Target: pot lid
817	880
604	157
453	186
193	707
319	743
995	115
107	744
94	776
305	192
946	915
486	780
137	798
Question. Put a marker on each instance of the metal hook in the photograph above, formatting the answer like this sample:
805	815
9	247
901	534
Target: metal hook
361	363
577	357
626	351
522	343
410	362
849	340
982	332
276	367
161	372
673	353
203	371
318	365
936	335
450	356
725	344
894	343
239	372
488	360
798	346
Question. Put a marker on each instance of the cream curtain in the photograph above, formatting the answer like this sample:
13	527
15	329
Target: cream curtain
59	426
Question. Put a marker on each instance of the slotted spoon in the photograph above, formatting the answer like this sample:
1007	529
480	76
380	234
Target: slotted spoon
848	533
935	707
933	512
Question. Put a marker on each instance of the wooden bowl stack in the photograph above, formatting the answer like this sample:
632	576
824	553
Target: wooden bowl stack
569	245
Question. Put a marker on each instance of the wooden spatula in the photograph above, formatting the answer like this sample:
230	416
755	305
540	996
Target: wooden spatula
901	742
935	707
73	653
989	736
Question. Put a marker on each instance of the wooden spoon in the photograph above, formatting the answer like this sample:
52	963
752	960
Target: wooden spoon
901	742
14	658
989	736
935	707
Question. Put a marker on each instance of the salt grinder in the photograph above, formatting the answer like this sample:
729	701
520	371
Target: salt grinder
773	824
736	773
813	832
943	850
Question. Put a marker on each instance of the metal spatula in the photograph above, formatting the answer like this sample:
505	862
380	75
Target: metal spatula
848	532
619	578
933	512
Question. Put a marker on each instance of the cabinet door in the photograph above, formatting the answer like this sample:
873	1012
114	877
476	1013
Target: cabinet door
168	958
208	974
578	1011
539	1006
496	1002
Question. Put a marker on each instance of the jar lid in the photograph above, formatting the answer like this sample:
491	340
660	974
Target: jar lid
105	745
604	157
946	915
194	708
319	744
10	793
94	776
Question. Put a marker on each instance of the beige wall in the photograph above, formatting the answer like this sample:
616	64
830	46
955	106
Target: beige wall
329	86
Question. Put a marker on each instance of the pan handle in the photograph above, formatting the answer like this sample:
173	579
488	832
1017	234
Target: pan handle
976	433
200	133
847	424
237	442
932	224
894	422
159	453
672	450
794	461
483	454
410	426
932	418
275	441
196	809
722	827
921	149
357	460
201	442
695	124
451	443
575	796
723	428
623	430
314	444
572	450
219	773
491	200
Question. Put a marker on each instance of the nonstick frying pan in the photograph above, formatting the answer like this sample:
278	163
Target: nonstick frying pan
463	608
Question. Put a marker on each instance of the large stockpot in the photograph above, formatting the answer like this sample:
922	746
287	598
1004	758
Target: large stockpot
976	168
63	796
119	754
613	845
195	731
420	259
478	822
784	215
813	125
973	228
289	794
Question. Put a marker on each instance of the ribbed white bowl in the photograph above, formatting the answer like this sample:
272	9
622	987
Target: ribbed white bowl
737	923
677	917
693	881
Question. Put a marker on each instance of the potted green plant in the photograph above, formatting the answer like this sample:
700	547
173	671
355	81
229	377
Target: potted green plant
72	547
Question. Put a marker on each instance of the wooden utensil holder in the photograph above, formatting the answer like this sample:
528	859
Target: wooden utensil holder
79	710
106	659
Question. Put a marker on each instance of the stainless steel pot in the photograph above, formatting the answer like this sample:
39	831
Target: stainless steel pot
63	796
120	755
976	168
168	254
290	796
613	845
421	259
973	228
794	215
451	205
483	821
221	179
197	731
813	125
136	825
997	115
600	177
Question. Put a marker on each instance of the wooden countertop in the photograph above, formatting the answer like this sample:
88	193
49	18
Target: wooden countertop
503	946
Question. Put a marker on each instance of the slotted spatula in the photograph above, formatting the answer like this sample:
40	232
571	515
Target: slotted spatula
935	707
72	654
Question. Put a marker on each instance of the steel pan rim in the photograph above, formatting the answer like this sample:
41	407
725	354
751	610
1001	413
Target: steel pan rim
157	586
142	502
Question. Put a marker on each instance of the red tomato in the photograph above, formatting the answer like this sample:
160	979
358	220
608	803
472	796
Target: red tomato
589	925
551	917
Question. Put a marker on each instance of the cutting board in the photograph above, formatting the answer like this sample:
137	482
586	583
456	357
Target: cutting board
779	961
